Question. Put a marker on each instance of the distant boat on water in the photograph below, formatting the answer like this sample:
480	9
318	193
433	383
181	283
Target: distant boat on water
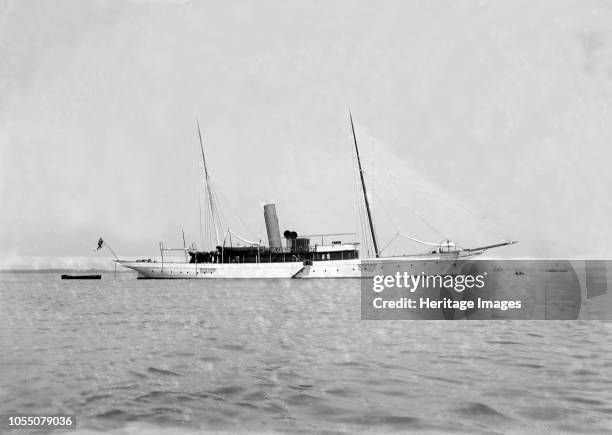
81	276
295	256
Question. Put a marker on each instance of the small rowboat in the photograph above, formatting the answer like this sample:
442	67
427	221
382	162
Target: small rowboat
81	276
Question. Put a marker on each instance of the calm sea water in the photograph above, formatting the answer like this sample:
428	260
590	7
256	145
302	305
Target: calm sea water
141	356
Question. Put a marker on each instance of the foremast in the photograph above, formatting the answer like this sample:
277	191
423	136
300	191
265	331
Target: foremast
214	222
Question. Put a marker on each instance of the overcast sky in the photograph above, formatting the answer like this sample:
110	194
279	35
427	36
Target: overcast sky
489	119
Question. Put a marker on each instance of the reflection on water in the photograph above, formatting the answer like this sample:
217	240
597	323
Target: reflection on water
287	356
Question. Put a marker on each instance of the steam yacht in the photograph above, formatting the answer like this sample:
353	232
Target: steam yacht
293	256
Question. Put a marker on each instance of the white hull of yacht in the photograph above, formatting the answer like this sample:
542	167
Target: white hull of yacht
357	268
176	270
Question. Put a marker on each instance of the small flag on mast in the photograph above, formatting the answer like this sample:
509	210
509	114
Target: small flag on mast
101	244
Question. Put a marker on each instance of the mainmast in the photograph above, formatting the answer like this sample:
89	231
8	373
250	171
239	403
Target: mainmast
365	195
211	202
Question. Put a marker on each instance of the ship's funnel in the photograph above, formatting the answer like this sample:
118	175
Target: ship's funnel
272	226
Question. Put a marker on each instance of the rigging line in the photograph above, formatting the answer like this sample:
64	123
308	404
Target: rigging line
225	237
413	239
461	207
397	230
213	226
422	242
260	231
203	220
355	198
384	188
365	193
361	221
367	237
250	242
212	210
219	222
228	202
365	234
216	212
390	241
222	220
381	202
201	232
215	192
207	219
202	149
376	182
360	208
